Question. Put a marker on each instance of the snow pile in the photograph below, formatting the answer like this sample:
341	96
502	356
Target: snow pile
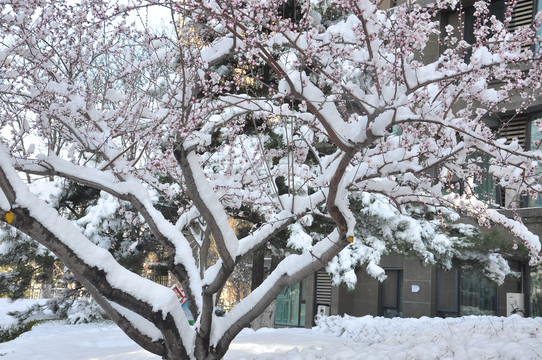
471	337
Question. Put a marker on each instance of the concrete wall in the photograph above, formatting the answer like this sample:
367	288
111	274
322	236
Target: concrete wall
418	289
309	288
360	301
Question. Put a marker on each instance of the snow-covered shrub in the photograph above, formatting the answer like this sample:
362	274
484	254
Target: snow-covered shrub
10	332
85	311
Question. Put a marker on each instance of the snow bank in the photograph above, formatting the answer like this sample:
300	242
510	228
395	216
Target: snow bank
471	337
335	338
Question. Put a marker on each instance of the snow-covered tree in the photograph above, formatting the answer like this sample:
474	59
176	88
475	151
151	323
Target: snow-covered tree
259	109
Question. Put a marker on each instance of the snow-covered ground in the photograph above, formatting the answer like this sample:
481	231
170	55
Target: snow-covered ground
335	339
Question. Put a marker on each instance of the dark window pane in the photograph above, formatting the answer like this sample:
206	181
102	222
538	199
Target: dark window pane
496	8
535	144
478	294
390	293
389	290
447	291
536	291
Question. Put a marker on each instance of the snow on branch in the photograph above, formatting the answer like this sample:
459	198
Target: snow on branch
86	256
316	130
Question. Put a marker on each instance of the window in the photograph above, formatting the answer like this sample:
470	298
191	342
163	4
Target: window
522	15
161	276
496	8
535	142
478	295
391	303
536	291
484	186
447	293
291	305
523	129
465	292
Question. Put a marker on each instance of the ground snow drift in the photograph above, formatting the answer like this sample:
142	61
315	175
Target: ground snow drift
335	338
471	337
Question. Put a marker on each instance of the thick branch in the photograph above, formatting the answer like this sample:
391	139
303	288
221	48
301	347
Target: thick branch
209	207
36	219
334	189
186	269
289	271
92	278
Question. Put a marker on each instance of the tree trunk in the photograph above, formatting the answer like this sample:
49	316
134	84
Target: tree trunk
258	269
266	318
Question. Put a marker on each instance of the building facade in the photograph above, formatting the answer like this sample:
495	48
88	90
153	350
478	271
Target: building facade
413	289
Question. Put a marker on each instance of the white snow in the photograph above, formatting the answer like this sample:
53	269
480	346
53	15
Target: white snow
114	95
337	338
216	50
